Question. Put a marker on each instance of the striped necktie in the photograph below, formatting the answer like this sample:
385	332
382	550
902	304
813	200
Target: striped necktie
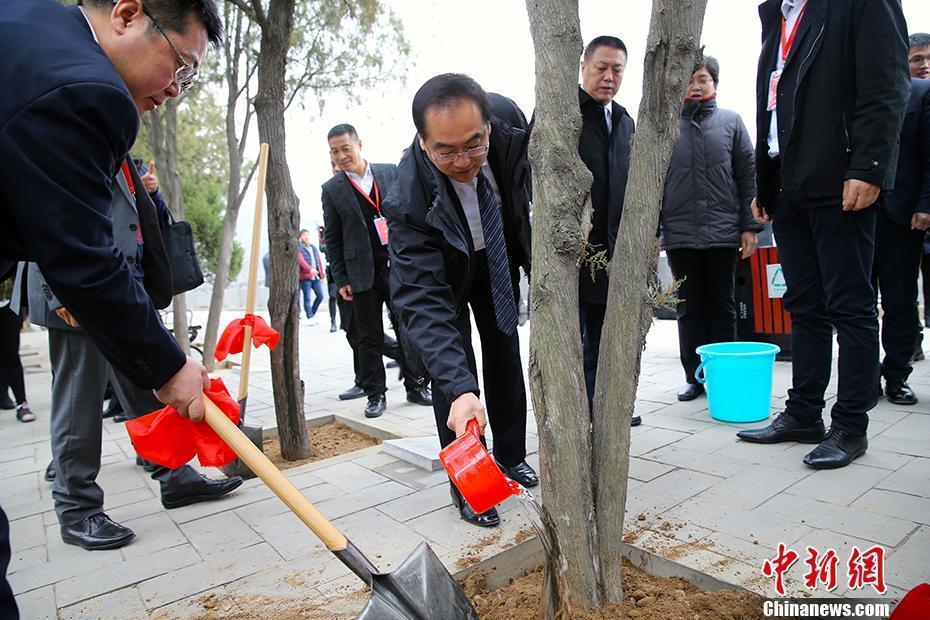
505	308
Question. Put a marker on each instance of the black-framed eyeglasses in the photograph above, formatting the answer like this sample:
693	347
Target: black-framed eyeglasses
445	158
187	72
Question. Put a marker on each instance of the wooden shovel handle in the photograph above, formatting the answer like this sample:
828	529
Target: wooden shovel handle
254	258
272	476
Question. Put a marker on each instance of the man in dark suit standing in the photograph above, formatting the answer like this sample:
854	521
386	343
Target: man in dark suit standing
831	91
903	218
604	147
460	230
356	244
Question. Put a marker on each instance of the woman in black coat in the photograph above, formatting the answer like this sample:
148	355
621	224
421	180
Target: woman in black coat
706	222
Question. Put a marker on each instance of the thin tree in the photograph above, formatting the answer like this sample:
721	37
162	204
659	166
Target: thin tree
162	136
585	457
309	31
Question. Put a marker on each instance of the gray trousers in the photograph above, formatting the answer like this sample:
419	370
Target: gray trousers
79	378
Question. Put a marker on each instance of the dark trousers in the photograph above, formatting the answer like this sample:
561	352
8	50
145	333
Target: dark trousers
826	256
79	377
306	286
333	293
898	252
11	369
591	316
925	272
707	310
367	329
8	609
502	374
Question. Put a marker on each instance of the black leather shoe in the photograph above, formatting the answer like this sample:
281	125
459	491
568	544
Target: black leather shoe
352	393
6	403
50	472
690	391
376	405
96	532
333	328
900	393
113	409
148	466
785	428
420	396
838	449
201	491
636	421
522	473
489	518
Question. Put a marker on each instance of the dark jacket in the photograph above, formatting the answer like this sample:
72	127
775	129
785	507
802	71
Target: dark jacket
62	95
608	159
912	182
432	255
841	99
711	181
348	244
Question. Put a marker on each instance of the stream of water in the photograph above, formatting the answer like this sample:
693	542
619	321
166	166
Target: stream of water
553	602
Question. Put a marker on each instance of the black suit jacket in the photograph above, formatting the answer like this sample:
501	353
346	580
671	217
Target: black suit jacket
608	159
66	122
841	99
912	182
348	244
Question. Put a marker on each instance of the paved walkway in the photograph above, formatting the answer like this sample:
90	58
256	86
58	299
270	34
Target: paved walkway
697	496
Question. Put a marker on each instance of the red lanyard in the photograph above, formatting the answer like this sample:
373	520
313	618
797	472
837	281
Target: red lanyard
132	188
376	203
787	43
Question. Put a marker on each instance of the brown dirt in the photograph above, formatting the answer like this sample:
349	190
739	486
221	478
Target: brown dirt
648	597
331	439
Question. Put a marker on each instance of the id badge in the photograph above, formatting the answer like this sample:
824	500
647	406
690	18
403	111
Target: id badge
773	90
382	228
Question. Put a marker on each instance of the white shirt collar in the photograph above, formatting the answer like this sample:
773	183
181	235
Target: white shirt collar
92	31
364	181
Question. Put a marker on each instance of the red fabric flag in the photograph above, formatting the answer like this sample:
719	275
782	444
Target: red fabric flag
164	437
231	339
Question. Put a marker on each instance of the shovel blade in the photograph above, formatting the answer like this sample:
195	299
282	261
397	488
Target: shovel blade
238	467
419	589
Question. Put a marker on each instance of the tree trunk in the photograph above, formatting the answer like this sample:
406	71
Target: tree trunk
561	184
283	224
672	50
234	145
162	125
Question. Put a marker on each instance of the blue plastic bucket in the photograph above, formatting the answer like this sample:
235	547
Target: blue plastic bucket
738	379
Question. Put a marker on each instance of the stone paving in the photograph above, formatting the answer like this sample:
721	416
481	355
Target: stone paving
696	496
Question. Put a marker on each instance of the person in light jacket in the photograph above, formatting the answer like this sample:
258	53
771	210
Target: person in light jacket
706	221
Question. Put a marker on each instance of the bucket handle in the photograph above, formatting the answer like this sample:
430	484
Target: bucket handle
699	372
472	427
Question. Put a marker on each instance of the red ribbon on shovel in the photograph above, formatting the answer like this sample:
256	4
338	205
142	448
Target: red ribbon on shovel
231	340
165	438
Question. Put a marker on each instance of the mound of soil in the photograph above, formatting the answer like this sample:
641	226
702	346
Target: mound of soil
648	597
331	439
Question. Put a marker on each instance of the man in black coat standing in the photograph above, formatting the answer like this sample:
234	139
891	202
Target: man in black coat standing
356	245
831	90
459	232
903	219
604	146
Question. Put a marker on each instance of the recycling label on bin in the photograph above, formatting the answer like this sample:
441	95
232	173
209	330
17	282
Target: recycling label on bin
776	281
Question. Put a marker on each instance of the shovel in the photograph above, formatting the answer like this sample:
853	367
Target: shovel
254	433
419	589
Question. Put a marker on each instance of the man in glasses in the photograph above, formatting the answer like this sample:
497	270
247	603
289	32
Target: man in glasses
460	229
75	81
